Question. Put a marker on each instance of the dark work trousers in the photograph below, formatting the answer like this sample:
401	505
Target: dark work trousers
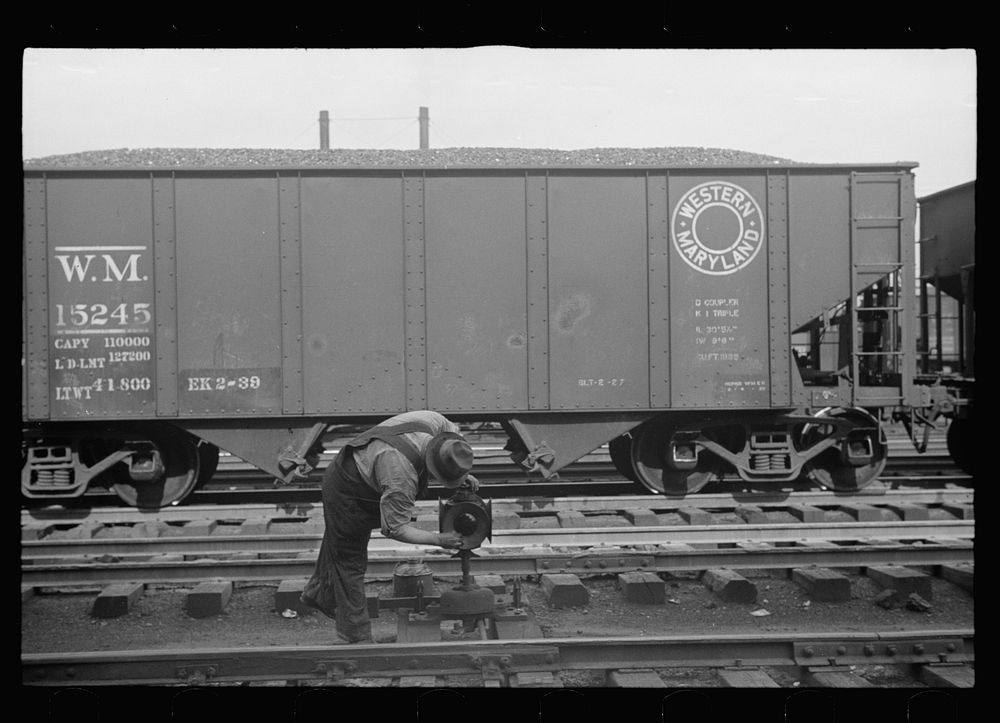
337	586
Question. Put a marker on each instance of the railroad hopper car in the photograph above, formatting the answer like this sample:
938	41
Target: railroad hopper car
947	260
170	312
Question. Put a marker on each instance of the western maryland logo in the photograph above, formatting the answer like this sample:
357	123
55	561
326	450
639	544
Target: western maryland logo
717	228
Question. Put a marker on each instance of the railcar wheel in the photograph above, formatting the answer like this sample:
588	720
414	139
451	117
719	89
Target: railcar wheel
651	445
830	469
208	462
180	460
620	449
960	444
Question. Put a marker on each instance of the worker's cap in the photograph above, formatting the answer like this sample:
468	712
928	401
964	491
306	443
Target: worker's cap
449	459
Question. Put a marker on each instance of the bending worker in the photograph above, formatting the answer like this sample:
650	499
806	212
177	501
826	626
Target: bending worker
374	483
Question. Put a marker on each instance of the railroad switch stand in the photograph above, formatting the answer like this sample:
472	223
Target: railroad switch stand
467	514
420	607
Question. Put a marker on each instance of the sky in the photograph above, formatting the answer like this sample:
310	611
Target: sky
851	106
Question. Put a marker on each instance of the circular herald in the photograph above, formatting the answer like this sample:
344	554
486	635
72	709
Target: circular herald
717	227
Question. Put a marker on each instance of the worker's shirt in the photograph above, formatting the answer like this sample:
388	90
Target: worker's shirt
388	472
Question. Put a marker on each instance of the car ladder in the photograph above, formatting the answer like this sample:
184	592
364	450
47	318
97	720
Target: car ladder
883	209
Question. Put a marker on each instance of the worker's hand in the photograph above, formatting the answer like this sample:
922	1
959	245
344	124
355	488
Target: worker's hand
450	540
471	483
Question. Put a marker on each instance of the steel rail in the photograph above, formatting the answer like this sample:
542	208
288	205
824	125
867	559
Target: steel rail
876	495
539	537
492	460
486	459
595	480
236	472
609	483
311	494
930	551
334	663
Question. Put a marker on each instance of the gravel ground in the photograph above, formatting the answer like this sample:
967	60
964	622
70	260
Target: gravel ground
62	622
435	157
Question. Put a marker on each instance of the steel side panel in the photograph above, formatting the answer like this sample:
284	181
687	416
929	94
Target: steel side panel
291	294
101	315
777	250
476	313
35	374
562	290
819	228
598	303
537	289
908	319
352	294
228	295
719	291
415	287
877	213
658	222
165	270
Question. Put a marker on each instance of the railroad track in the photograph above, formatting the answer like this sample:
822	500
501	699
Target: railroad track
261	543
235	483
883	494
725	556
275	558
572	615
942	657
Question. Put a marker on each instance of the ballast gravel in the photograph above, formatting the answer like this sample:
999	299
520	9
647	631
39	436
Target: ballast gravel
59	622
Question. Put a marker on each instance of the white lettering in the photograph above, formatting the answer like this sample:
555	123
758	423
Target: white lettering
705	230
76	343
78	270
132	265
67	394
94	362
75	268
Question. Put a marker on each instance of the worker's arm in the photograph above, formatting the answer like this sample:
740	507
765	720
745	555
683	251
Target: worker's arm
415	536
399	490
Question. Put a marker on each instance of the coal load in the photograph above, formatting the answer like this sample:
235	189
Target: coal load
429	158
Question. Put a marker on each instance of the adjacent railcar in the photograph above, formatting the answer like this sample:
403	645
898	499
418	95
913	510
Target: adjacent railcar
947	338
170	312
